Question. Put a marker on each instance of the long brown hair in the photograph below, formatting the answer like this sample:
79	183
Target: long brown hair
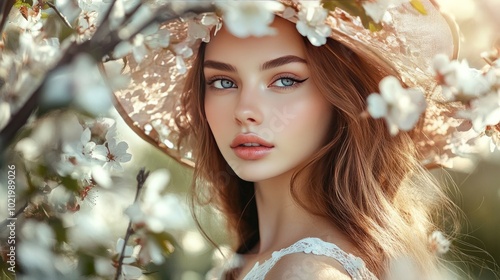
368	183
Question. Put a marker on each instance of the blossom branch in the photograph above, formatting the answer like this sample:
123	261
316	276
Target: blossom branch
61	16
141	178
98	47
105	24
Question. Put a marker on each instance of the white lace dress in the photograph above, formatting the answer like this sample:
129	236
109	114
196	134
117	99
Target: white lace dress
352	264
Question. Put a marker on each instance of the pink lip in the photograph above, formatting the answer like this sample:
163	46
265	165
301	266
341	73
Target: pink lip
250	152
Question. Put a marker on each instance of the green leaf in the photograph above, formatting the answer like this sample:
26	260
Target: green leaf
165	241
22	3
351	7
86	264
417	4
11	39
58	228
373	26
70	184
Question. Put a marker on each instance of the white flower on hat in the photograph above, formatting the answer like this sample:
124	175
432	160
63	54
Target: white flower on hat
484	111
200	29
311	24
494	133
400	107
378	8
150	38
249	18
458	80
182	51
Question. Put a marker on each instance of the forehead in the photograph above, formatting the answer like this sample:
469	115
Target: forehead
226	47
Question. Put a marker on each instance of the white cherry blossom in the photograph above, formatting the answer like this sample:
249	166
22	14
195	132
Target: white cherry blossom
117	154
438	243
311	24
113	152
249	18
150	251
116	79
117	15
128	271
80	84
35	252
4	114
86	229
101	177
400	107
78	157
29	148
142	16
32	23
81	150
68	8
157	211
41	139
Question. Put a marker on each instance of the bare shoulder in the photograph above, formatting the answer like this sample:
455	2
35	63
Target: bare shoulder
300	266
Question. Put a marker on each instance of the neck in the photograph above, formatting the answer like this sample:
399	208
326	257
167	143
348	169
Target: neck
282	221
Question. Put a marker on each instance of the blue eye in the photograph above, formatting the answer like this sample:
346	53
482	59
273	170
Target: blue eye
222	84
287	82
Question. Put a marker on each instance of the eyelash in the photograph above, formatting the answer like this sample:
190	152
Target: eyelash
212	80
296	81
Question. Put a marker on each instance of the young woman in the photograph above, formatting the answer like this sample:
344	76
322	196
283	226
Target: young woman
309	182
311	188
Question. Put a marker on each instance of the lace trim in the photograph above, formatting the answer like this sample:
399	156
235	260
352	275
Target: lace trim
352	264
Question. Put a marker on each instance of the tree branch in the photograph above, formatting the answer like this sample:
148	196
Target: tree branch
98	47
141	178
61	16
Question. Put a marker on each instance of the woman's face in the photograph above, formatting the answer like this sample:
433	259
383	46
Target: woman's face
265	112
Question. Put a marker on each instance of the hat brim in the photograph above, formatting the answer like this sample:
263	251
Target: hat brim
404	48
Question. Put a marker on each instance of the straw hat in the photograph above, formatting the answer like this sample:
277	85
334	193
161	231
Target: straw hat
405	46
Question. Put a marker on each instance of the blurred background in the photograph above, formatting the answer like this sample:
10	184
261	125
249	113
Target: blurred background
474	185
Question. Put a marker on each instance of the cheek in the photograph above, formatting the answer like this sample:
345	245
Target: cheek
217	116
313	122
211	114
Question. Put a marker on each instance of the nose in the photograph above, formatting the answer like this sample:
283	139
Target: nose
248	110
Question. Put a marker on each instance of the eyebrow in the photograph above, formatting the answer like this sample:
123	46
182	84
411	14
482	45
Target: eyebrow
219	66
267	65
282	61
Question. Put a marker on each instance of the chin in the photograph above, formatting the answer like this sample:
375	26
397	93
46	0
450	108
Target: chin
256	172
251	177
